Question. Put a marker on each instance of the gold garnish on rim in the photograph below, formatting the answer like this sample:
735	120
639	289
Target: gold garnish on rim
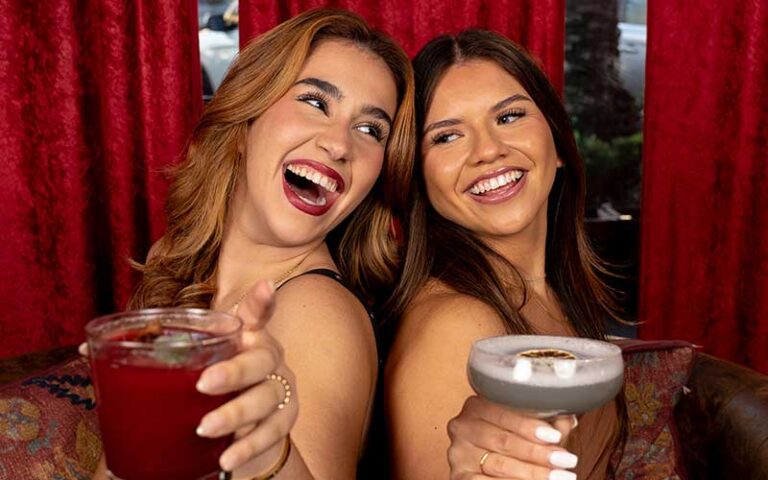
547	353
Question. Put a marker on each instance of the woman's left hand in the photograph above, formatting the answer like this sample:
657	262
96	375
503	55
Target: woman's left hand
261	428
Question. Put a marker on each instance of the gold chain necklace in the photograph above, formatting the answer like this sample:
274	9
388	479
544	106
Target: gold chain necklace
277	282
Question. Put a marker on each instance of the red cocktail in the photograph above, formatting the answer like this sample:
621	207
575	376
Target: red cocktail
145	366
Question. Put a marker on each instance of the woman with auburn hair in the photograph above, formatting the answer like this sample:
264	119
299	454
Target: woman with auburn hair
288	186
495	245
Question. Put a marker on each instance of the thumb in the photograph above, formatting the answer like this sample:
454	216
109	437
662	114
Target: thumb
257	306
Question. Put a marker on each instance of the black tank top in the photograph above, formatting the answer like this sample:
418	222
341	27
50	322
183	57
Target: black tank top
326	272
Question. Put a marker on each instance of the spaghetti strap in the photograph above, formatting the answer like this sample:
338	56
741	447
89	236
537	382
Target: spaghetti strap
326	272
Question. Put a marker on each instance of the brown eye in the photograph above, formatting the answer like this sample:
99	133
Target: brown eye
510	116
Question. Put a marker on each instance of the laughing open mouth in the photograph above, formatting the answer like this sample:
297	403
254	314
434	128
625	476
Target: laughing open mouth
310	185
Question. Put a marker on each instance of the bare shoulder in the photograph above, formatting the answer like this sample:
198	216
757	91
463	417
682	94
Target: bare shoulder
434	338
329	344
320	306
323	326
440	317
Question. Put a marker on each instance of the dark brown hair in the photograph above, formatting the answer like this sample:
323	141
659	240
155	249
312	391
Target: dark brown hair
436	247
181	269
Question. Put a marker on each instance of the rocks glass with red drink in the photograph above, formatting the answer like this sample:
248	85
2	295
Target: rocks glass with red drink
145	366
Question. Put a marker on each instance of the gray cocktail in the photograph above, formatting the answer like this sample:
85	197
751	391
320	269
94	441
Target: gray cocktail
544	375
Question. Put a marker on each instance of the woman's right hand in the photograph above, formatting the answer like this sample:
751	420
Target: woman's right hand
492	441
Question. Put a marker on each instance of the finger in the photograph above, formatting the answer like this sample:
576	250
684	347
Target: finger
257	307
488	437
470	459
268	434
565	425
497	465
527	427
82	349
242	412
241	371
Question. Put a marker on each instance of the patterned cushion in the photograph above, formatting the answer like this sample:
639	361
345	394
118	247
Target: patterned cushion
48	426
655	377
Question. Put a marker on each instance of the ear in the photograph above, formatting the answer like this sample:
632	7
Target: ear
559	163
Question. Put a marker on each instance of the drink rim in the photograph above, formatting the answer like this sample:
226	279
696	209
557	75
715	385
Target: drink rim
481	346
96	326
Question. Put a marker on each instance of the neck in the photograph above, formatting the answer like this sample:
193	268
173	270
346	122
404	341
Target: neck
526	250
243	262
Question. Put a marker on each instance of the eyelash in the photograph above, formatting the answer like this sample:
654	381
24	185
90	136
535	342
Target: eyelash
514	112
518	113
377	129
319	97
441	137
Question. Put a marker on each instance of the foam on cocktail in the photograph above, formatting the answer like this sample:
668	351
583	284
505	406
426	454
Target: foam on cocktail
532	373
503	362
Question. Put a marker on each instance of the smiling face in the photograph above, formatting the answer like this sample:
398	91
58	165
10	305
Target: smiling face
315	154
489	158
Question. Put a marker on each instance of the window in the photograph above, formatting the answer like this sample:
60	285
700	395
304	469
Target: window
604	83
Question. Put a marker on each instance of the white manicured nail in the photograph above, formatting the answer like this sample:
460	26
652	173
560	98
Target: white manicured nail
563	459
548	434
561	475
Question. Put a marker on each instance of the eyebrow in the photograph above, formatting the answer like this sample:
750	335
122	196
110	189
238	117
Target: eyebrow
498	106
377	112
326	87
335	92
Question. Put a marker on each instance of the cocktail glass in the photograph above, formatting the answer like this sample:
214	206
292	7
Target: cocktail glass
546	376
145	366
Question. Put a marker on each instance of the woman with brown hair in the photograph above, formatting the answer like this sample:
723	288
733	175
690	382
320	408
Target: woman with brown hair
287	186
495	245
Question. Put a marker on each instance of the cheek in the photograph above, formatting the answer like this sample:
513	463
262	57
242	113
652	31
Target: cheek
365	173
440	177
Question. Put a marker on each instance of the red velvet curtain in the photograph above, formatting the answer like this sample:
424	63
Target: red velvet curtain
539	25
704	268
97	99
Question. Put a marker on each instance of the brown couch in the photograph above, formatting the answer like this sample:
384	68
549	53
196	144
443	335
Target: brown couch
723	421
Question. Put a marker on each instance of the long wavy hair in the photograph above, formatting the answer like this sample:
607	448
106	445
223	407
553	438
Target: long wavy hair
181	268
439	248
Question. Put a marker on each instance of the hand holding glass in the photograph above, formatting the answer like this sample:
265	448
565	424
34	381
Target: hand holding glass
145	366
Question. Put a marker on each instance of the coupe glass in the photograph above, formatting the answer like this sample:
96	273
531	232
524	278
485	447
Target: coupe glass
546	376
145	366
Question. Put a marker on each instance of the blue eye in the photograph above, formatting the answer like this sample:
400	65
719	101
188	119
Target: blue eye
314	99
510	116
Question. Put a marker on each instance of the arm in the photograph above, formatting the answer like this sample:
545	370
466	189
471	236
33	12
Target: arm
439	429
330	346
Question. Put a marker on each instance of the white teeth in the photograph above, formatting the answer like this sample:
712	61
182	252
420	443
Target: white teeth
496	182
315	177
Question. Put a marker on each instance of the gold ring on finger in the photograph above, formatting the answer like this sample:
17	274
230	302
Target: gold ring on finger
286	389
482	461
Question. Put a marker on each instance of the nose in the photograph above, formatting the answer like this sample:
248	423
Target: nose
488	147
335	141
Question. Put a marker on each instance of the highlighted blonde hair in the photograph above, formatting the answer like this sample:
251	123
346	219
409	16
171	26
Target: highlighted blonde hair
181	268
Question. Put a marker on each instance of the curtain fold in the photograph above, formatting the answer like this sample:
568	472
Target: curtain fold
704	261
538	25
98	99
